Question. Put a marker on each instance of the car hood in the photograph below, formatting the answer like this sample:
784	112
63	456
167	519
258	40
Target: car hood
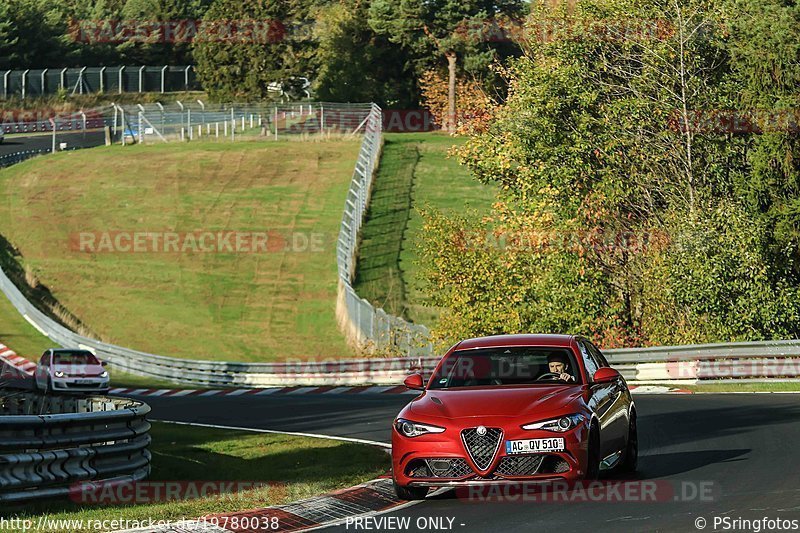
494	401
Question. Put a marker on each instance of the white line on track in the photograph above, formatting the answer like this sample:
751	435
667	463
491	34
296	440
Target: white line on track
35	325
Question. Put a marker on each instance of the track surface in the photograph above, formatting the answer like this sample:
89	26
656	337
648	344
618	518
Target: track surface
19	143
742	446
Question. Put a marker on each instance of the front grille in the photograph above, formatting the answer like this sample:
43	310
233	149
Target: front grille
519	465
83	385
444	468
482	448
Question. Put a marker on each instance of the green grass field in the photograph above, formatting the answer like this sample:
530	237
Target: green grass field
233	306
291	467
415	171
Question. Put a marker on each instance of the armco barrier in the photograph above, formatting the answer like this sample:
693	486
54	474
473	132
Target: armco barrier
48	444
215	373
368	328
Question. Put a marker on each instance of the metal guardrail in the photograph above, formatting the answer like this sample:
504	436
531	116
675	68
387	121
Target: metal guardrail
368	327
214	373
50	444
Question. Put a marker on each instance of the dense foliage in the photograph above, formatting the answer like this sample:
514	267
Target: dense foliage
350	50
636	206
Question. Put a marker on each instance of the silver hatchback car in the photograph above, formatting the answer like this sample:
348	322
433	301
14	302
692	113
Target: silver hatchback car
67	370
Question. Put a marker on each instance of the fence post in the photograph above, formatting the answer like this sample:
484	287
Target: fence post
103	79
80	83
24	82
141	79
164	79
276	123
120	80
189	123
203	107
161	109
321	118
186	78
122	116
233	125
53	124
115	118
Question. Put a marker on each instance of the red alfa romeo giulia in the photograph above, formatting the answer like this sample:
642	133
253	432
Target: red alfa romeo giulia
511	409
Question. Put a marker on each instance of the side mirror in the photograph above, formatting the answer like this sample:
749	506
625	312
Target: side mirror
606	375
104	363
414	382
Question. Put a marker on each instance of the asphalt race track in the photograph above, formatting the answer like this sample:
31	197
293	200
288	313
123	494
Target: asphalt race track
18	143
741	449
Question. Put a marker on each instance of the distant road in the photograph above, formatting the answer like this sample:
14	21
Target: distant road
22	143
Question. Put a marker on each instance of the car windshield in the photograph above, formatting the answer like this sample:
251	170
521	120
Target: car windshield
74	358
519	365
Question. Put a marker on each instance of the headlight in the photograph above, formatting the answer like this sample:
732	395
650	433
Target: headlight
104	374
59	374
415	429
559	425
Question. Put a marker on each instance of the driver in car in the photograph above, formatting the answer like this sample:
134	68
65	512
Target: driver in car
559	366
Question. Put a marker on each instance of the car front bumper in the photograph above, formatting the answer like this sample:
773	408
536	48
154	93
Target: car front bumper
70	384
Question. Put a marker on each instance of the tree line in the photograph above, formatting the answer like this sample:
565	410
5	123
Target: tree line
648	163
350	50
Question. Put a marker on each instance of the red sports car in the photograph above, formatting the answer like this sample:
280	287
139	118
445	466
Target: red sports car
511	409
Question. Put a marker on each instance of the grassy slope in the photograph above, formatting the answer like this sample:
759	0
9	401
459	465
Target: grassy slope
232	306
415	171
299	467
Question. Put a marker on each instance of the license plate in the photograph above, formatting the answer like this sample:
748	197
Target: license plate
555	444
83	382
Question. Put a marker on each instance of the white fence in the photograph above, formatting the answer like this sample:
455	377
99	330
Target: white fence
87	80
370	329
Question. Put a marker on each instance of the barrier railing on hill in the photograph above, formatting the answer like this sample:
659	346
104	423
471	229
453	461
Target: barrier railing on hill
369	328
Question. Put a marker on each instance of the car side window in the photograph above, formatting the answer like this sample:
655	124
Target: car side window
588	361
45	361
595	352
